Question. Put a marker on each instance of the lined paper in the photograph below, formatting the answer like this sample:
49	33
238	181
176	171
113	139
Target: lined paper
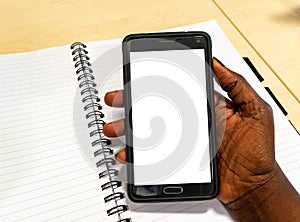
43	174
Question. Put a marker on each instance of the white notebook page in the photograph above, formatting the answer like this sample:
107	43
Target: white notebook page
44	176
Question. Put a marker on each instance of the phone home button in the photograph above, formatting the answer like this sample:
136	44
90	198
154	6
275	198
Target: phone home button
173	190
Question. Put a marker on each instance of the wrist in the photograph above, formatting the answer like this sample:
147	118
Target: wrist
267	202
252	201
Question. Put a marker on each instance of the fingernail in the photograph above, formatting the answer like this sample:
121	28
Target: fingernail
219	62
121	156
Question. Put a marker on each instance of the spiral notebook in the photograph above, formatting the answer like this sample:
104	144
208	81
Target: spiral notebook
55	164
97	151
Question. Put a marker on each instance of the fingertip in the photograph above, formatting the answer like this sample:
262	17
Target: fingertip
114	129
121	156
108	98
219	68
218	62
114	98
108	130
225	76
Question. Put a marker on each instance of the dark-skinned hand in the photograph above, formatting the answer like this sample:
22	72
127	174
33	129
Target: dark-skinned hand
246	156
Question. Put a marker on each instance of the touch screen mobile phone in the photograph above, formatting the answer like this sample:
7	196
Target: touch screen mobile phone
169	117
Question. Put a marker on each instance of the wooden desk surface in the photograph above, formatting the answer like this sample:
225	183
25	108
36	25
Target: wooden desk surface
30	25
273	30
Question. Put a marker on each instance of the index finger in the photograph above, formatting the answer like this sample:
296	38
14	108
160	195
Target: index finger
114	98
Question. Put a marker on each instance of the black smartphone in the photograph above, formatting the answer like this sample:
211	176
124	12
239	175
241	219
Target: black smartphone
169	117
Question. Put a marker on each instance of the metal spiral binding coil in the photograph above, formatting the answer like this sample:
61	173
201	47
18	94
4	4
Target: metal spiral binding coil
94	114
104	150
110	184
114	196
109	172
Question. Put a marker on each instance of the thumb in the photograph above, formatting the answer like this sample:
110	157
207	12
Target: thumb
238	89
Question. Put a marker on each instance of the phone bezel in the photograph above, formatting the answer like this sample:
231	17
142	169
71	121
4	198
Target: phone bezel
192	40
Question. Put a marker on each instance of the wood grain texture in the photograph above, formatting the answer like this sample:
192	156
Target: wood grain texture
273	29
32	24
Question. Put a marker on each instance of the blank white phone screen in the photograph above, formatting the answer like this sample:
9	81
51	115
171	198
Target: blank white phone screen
169	103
